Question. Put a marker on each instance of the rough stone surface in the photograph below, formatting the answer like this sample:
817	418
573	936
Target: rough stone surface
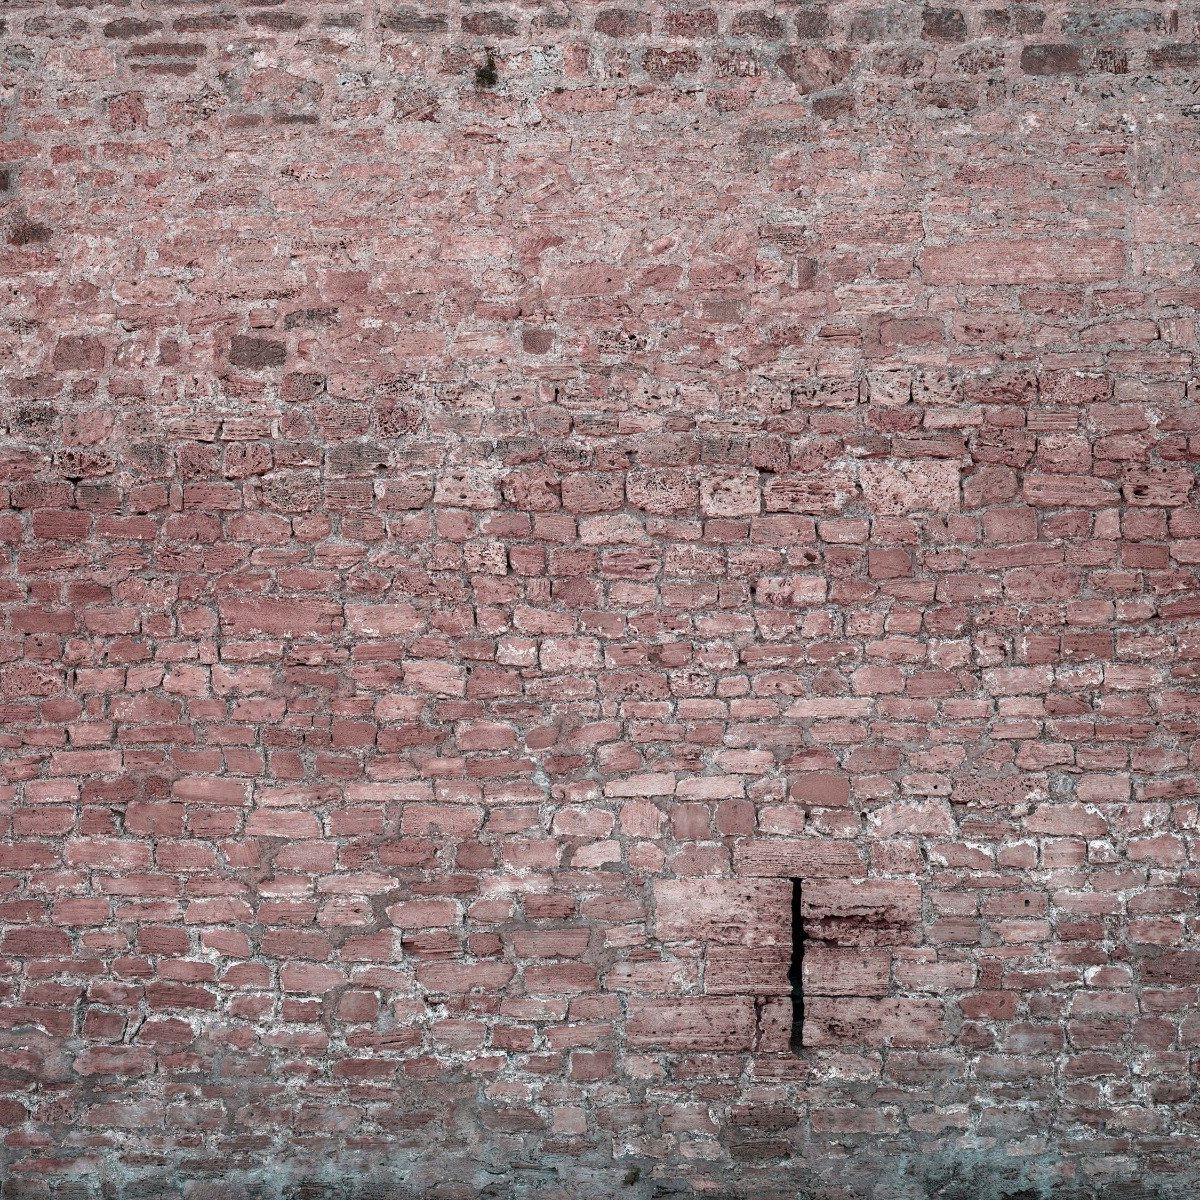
491	492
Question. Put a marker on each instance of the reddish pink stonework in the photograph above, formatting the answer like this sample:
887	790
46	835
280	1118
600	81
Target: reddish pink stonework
491	493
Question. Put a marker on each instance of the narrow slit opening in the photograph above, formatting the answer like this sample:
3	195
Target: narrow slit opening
796	970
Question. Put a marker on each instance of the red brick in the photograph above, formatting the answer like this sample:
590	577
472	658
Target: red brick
754	912
65	525
988	262
729	493
821	789
1068	491
621	22
423	914
281	617
834	971
892	489
36	943
847	1021
862	912
463	977
697	1024
757	970
889	564
804	858
477	526
382	620
210	791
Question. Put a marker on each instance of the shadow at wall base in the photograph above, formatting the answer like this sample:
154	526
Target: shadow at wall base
960	1174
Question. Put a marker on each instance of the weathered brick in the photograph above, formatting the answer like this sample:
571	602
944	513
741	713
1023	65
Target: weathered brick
498	500
256	353
695	1024
1068	491
281	617
813	69
903	1024
835	971
806	858
621	22
988	262
756	970
943	24
751	912
862	913
382	620
79	353
1051	59
907	487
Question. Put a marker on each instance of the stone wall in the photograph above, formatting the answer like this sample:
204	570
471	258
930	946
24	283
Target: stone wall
490	494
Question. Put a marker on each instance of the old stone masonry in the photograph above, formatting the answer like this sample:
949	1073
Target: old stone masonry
599	600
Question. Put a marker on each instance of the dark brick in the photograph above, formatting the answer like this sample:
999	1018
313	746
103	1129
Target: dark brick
666	64
829	107
280	22
309	317
411	20
811	23
758	24
1104	23
622	22
29	233
1018	19
164	68
691	23
1113	60
131	27
1026	19
78	353
169	50
815	69
1051	59
1178	57
256	353
489	24
943	24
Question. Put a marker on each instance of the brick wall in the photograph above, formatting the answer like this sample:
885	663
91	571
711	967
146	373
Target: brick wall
492	493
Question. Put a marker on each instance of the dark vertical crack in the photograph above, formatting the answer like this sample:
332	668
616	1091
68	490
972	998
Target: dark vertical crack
796	970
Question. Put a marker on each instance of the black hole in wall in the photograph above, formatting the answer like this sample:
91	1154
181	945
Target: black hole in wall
796	970
487	76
